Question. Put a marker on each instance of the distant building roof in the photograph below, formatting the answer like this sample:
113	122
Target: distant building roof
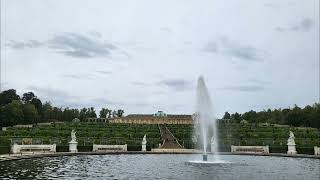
159	114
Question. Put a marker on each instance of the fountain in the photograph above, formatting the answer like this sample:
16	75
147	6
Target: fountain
205	121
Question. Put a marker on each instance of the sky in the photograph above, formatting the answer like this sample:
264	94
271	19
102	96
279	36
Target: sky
143	56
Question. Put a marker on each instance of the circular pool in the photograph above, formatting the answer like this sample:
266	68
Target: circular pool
160	166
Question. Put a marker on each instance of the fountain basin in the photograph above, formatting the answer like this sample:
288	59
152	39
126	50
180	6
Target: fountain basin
161	166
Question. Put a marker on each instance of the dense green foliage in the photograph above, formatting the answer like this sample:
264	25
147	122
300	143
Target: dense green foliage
251	134
87	134
107	133
28	109
308	116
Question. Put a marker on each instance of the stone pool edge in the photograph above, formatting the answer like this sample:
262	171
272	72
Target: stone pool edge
10	157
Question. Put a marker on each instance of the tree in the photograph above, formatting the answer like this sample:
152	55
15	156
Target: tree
92	112
38	105
70	114
104	113
276	116
120	112
83	114
114	113
236	117
226	115
27	97
47	111
30	113
315	116
109	113
8	96
57	113
67	115
12	113
250	116
3	121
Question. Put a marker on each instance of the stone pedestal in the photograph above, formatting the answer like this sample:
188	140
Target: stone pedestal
73	146
292	149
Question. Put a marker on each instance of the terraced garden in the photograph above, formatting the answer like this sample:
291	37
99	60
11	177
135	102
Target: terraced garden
254	134
132	134
87	134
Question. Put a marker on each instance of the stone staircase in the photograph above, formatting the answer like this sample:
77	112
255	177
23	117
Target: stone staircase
168	140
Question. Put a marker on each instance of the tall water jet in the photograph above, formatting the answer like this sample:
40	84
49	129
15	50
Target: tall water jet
205	121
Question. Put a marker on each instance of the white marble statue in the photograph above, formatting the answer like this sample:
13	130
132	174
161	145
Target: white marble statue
73	136
291	144
144	140
144	143
73	143
291	139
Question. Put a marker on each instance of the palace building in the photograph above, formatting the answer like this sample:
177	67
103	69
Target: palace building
158	118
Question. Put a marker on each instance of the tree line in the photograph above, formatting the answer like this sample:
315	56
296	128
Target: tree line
29	109
309	116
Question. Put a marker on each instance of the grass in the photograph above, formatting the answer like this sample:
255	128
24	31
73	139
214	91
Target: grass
87	134
252	134
132	134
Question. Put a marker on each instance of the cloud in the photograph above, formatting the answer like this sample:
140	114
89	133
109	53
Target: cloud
60	97
77	45
72	44
271	5
176	84
138	83
49	92
245	88
304	25
104	72
64	99
254	85
96	34
79	76
3	85
22	45
105	102
230	48
166	29
257	81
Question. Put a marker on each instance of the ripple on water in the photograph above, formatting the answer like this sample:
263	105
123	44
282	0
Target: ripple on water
160	167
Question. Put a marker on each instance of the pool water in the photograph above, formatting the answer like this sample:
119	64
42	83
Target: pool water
160	166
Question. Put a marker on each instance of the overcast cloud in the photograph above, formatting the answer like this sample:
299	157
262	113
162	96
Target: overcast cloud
146	56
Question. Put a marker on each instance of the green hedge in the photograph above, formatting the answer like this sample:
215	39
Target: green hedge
132	134
253	134
4	149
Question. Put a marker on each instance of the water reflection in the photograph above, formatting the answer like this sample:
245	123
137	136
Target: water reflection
159	167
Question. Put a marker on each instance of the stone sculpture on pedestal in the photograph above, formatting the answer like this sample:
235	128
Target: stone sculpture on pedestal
73	143
144	143
291	144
